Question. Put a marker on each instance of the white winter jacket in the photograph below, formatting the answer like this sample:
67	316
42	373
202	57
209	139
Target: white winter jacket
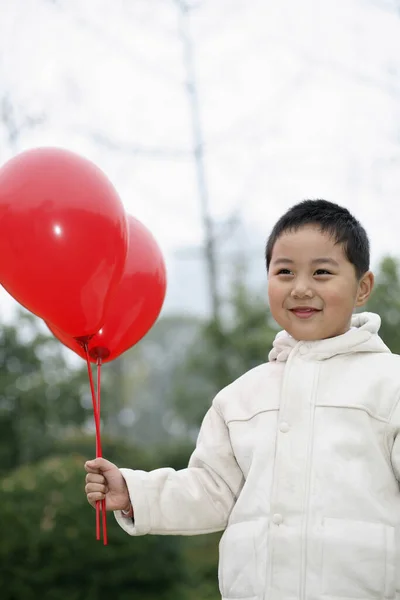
299	462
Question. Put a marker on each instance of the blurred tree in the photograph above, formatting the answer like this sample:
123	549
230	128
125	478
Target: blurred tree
385	300
48	548
40	394
149	380
244	342
15	121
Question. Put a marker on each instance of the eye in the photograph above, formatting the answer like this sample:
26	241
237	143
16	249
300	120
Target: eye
322	272
284	272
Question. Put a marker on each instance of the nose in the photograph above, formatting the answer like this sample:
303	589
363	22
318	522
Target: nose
301	289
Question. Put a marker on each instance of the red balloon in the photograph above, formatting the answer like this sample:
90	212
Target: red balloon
136	303
63	238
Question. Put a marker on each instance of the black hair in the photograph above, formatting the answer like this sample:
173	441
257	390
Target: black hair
332	219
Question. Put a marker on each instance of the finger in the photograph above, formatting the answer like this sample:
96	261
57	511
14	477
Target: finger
94	497
95	478
95	487
91	469
99	465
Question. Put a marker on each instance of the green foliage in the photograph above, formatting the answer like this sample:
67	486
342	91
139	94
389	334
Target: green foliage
244	343
48	547
385	300
150	374
40	395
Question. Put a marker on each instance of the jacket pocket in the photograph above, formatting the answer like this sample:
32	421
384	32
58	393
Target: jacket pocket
242	560
358	560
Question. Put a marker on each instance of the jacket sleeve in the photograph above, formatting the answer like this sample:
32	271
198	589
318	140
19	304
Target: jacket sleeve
192	501
395	452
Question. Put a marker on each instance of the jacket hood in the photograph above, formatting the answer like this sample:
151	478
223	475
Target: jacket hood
363	337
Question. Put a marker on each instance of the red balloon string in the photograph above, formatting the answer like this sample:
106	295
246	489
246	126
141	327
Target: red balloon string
99	452
103	502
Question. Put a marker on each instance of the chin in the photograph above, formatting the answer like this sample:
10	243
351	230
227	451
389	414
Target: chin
312	336
301	336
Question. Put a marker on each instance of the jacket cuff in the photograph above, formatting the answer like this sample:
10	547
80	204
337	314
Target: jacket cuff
139	523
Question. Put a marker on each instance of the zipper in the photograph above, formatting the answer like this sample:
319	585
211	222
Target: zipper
270	542
306	502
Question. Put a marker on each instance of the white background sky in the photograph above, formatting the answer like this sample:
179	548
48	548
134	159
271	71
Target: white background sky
298	99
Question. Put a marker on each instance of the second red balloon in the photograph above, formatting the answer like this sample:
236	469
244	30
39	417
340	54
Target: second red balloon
136	304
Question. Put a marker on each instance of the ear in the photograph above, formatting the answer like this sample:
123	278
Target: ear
365	288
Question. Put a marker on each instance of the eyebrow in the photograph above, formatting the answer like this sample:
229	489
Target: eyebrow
316	261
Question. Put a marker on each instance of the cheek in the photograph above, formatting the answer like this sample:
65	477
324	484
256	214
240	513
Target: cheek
275	293
339	297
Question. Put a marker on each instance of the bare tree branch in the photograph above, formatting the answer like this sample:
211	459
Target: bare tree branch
198	151
13	125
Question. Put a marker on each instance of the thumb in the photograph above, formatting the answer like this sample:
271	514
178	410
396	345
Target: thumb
99	465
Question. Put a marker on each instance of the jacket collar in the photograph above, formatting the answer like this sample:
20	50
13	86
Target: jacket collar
363	337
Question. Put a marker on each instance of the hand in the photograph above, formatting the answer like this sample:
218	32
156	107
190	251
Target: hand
104	480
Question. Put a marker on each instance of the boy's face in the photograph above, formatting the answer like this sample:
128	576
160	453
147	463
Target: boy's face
313	288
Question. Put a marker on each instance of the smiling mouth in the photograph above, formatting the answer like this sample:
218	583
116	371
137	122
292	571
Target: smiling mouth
304	313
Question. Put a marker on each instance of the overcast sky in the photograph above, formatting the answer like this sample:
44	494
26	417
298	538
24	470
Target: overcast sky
298	99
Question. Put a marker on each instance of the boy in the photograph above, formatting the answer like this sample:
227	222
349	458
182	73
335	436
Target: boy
299	459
